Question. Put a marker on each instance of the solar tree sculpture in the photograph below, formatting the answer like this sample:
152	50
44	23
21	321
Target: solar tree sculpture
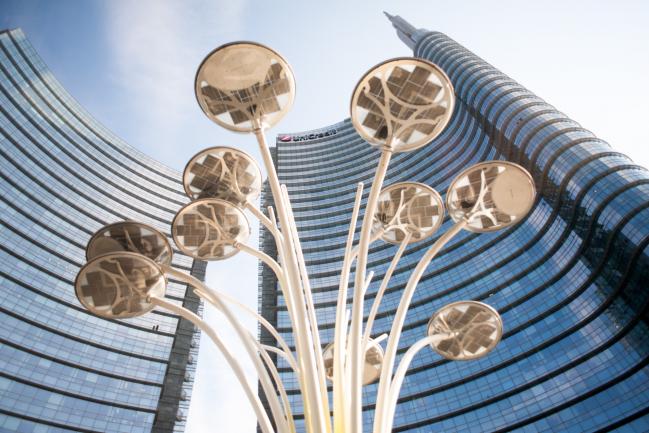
400	105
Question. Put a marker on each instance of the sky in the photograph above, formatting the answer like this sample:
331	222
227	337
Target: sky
131	64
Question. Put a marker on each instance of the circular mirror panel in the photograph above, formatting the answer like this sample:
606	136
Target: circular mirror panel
117	285
402	104
207	229
224	173
371	368
408	208
130	236
244	86
465	330
491	195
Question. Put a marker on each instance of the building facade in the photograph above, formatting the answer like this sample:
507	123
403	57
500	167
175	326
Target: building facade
63	177
571	281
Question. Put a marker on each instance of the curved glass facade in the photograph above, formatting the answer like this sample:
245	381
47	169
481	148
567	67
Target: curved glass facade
571	281
63	177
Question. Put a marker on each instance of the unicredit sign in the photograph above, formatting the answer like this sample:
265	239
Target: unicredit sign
287	138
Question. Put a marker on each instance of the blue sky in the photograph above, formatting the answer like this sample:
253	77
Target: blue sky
132	64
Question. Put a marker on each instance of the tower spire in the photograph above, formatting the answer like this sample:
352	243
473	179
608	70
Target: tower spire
406	31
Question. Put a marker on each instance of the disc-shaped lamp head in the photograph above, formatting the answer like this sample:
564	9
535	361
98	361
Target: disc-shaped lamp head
208	229
402	104
224	173
371	367
408	208
130	236
244	86
118	285
466	330
491	195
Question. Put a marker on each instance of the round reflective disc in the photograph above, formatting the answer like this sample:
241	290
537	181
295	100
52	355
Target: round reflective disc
466	330
130	236
207	229
224	173
491	195
244	86
408	208
371	368
117	285
402	104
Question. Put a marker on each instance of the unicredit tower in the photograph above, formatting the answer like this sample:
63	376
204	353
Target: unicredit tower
571	281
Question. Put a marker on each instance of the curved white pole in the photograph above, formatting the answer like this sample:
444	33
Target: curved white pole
306	284
280	386
316	419
266	221
340	330
285	351
400	374
400	316
356	357
272	369
242	333
384	285
262	416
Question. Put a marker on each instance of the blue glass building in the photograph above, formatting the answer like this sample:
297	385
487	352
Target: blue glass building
571	281
63	177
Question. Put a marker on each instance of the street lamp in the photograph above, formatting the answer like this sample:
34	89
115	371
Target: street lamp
399	105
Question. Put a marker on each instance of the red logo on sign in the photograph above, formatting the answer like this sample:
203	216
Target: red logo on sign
285	138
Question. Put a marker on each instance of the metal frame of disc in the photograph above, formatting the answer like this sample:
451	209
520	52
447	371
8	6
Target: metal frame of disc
117	255
480	165
440	127
198	203
103	229
280	59
212	149
499	333
430	189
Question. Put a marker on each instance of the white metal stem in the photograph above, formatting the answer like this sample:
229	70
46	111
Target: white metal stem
266	259
280	386
317	420
267	222
286	351
242	333
253	398
306	284
272	369
400	374
384	285
340	330
357	358
397	324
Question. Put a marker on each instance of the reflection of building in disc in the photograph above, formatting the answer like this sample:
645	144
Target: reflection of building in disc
408	208
222	172
130	236
491	195
371	367
402	103
243	86
466	330
117	285
208	229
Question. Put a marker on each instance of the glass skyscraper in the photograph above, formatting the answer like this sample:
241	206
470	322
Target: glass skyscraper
63	177
571	281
